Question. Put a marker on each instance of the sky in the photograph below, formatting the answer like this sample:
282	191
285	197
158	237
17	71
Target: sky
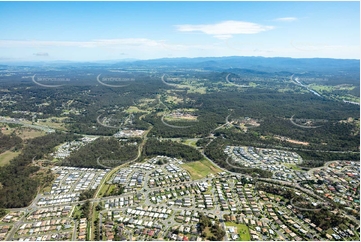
94	31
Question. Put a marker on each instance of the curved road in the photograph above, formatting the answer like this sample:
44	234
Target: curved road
174	126
303	126
168	84
234	83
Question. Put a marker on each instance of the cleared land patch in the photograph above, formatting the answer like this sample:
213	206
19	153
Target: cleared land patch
27	133
291	140
173	99
134	109
293	166
200	90
53	122
6	156
200	169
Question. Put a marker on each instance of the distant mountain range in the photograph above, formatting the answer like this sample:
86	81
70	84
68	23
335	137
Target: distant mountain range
255	63
267	64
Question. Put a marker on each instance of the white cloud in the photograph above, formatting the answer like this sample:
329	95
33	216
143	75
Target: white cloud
286	19
107	45
83	44
226	29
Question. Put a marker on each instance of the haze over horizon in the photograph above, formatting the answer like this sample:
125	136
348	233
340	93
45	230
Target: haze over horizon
96	31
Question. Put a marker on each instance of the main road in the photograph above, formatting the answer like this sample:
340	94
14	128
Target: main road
109	175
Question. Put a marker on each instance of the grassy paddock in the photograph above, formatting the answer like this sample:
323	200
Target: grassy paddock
242	230
200	169
6	156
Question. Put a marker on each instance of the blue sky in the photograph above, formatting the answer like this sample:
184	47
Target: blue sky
90	31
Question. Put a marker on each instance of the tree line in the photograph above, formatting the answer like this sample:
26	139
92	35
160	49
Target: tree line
8	142
170	148
18	186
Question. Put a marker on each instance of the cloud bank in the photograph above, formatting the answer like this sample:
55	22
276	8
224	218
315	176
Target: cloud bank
226	29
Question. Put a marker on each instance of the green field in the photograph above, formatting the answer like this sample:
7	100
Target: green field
105	190
95	215
325	88
292	166
200	90
180	119
173	99
52	122
285	90
134	109
76	212
46	189
200	169
7	156
330	90
191	142
242	230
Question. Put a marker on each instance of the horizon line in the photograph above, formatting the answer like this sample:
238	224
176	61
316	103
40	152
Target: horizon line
135	59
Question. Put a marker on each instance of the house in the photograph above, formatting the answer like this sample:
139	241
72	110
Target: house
234	236
329	237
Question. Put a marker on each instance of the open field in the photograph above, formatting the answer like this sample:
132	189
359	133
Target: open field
291	140
134	109
191	142
242	230
180	118
200	90
331	91
145	102
348	97
200	169
173	99
6	129
325	88
27	133
293	166
103	190
285	90
53	122
76	212
95	215
46	189
23	132
106	190
7	156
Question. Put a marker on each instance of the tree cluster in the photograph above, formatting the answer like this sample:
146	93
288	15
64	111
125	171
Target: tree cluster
216	231
87	194
8	142
172	149
18	187
103	152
